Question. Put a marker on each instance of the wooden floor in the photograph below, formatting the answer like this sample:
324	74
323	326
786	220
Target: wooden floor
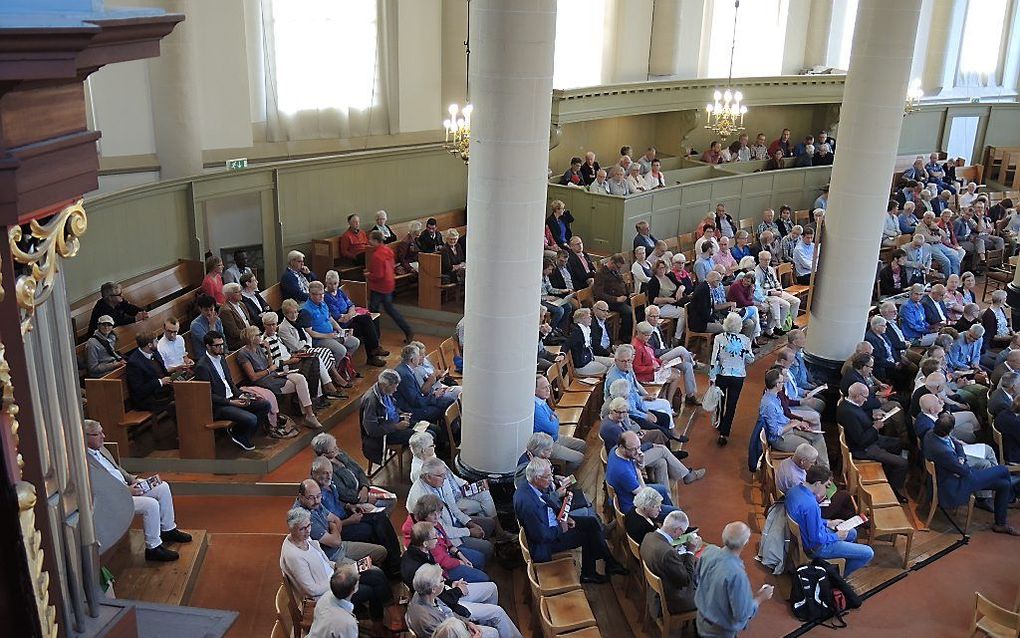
166	583
241	566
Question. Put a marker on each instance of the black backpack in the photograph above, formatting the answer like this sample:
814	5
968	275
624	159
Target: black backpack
820	593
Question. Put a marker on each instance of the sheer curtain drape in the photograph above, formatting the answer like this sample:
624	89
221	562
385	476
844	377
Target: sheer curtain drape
326	68
983	30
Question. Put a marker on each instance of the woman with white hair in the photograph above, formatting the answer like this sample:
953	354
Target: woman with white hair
454	259
405	253
731	352
998	331
305	565
380	224
343	311
648	368
432	380
426	611
640	520
640	269
310	366
423	448
665	291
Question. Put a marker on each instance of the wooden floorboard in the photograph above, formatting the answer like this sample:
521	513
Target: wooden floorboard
168	583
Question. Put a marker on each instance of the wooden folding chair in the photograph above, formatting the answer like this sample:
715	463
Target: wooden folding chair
666	620
993	620
930	468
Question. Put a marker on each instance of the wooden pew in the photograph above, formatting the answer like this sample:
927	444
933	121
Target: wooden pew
183	308
147	291
273	296
430	281
108	404
195	424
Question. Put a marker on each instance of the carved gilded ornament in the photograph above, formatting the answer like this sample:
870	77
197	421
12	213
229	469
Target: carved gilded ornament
27	499
38	250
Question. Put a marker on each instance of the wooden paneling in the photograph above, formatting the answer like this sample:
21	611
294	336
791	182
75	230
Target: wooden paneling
50	111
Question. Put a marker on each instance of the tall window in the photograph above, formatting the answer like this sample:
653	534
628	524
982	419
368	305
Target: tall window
844	19
982	37
761	32
324	54
580	33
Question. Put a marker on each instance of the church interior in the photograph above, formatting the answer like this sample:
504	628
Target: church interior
262	378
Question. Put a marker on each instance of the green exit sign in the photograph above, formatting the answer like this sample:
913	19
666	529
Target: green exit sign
237	164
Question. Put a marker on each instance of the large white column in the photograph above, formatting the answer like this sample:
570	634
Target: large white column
511	72
869	132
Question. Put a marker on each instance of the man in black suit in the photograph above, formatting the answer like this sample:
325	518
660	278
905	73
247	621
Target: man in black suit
430	240
860	370
888	365
582	267
861	426
934	309
601	333
147	378
228	401
958	480
561	277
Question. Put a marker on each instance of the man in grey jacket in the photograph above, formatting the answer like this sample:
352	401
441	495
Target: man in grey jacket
101	356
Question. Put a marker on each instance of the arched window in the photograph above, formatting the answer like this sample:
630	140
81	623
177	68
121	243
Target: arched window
761	35
580	34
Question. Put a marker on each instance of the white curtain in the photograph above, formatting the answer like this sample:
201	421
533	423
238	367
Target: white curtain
982	41
326	68
580	36
761	36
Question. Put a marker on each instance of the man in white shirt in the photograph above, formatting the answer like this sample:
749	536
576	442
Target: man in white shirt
646	160
171	347
743	153
152	498
617	184
803	257
600	185
760	150
655	177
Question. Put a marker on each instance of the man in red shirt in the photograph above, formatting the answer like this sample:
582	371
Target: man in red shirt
381	283
354	241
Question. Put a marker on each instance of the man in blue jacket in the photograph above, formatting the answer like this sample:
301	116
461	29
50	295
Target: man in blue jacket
568	449
958	480
547	533
913	320
818	536
409	395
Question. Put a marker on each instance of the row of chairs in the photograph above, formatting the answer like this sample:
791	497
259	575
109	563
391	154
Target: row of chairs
559	606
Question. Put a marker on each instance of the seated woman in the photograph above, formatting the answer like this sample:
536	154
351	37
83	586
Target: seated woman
405	253
560	309
256	367
776	162
953	301
252	298
579	345
294	336
893	278
681	275
212	284
304	563
457	562
430	379
344	312
648	368
641	269
454	259
380	224
642	518
665	291
423	448
311	367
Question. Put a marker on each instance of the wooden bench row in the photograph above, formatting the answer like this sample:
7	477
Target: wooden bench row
109	400
152	291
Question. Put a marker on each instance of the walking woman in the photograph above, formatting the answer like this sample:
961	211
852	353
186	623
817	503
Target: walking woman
731	352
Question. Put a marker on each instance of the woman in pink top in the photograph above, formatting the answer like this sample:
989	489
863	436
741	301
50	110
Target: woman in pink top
647	367
212	285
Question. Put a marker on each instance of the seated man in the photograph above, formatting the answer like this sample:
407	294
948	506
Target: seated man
675	565
351	482
540	446
648	411
354	241
781	303
234	315
171	347
860	371
568	449
547	532
324	329
410	398
914	321
208	320
624	474
666	353
786	358
327	527
334	611
295	279
355	523
470	531
580	345
662	464
861	426
967	423
381	420
581	265
610	287
958	480
965	355
889	365
147	378
708	305
1007	422
427	611
616	420
227	400
101	356
430	240
112	304
818	536
782	433
791	472
1002	397
1010	363
152	498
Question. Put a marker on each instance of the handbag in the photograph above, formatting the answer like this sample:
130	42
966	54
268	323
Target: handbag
710	402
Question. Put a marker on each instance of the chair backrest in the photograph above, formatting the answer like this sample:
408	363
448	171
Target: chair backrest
997	438
451	416
585	297
284	621
635	549
525	550
448	349
796	550
984	608
930	468
655	584
293	603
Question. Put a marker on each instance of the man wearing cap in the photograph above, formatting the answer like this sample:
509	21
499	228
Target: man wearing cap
152	497
101	356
